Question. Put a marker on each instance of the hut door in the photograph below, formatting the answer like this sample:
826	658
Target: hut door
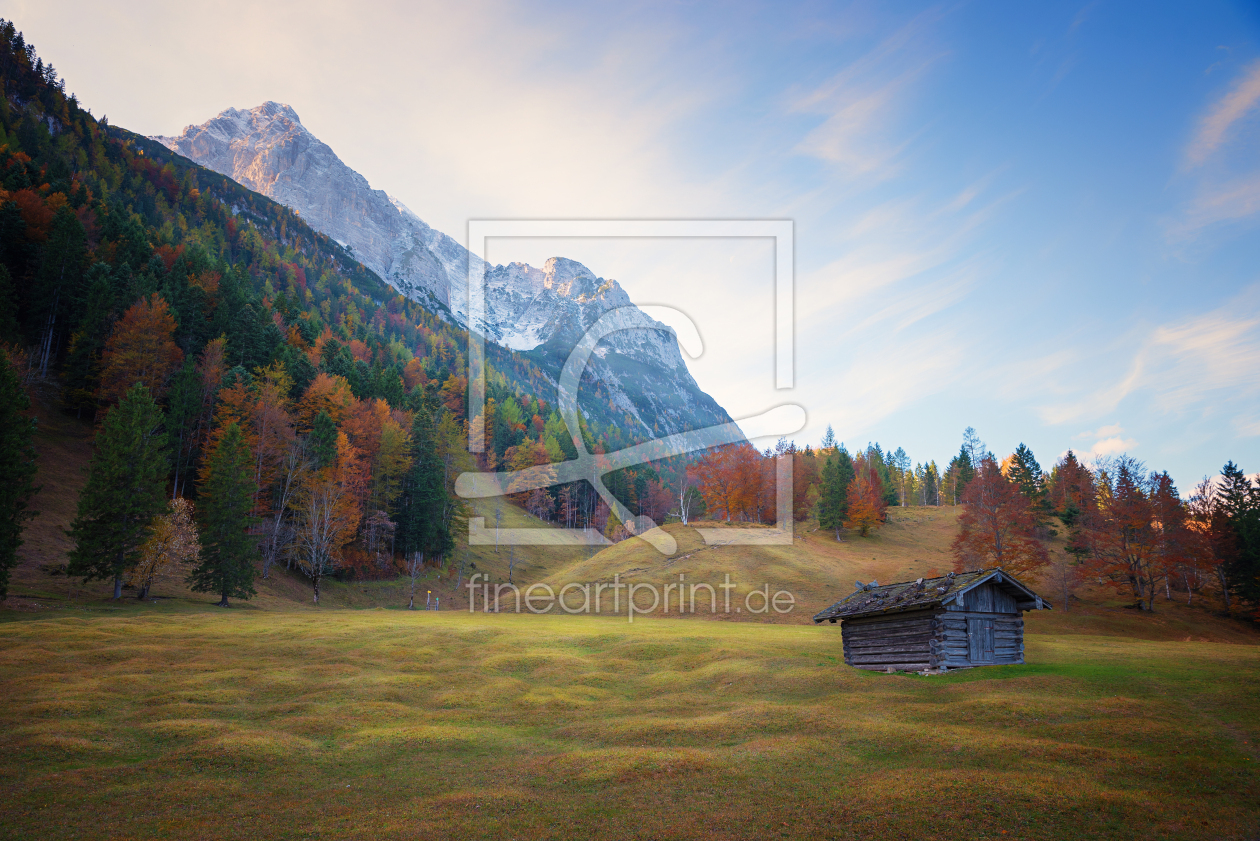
980	640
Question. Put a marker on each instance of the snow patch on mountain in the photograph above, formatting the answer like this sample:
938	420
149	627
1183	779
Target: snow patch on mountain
268	150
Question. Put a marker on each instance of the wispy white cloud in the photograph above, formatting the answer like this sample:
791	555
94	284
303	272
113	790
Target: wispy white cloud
1224	113
1247	427
1101	432
860	104
928	253
1198	364
1225	185
1110	447
1227	202
878	382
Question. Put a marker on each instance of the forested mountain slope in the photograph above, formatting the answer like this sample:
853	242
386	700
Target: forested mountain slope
122	263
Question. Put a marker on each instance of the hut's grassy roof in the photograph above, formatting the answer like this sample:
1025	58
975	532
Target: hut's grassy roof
908	595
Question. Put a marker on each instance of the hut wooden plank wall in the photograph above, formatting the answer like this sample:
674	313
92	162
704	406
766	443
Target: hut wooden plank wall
956	621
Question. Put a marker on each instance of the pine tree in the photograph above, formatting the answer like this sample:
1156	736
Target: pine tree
900	463
125	490
422	528
227	549
930	484
959	473
878	461
1239	502
1070	490
17	467
833	503
323	440
1026	473
183	411
9	329
87	340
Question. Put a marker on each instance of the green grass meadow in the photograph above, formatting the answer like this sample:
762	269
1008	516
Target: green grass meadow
189	724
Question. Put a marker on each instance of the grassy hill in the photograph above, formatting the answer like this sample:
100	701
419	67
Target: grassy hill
816	569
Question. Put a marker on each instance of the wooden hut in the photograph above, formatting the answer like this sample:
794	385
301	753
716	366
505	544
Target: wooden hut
956	621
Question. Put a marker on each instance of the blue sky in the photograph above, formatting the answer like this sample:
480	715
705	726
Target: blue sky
1040	220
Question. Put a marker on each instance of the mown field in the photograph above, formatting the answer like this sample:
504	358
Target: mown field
197	723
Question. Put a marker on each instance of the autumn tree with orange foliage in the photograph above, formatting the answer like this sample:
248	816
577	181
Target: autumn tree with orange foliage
997	526
715	479
737	483
867	509
805	478
327	513
413	374
326	393
141	349
453	392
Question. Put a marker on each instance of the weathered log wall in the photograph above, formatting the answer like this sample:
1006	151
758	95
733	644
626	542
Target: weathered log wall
900	641
933	639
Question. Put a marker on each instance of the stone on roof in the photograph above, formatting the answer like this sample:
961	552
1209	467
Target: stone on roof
919	594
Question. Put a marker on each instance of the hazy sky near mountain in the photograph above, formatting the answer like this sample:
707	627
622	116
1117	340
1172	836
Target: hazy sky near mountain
1042	220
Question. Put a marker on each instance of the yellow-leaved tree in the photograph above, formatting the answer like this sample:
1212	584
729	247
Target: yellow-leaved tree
172	539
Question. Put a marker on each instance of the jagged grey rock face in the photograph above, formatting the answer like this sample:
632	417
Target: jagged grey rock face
268	150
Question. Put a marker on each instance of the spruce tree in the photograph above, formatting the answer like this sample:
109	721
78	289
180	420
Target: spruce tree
1026	474
9	329
183	410
833	502
227	549
421	524
1240	503
931	484
966	469
17	467
126	489
323	440
958	474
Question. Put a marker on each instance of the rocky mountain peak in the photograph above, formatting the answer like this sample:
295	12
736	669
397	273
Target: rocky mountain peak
268	150
570	279
268	118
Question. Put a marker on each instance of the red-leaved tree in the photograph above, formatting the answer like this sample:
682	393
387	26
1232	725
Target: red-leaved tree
997	526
